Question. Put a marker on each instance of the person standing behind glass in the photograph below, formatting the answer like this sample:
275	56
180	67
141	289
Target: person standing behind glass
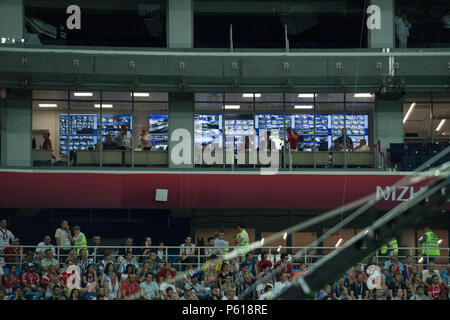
123	138
402	30
145	140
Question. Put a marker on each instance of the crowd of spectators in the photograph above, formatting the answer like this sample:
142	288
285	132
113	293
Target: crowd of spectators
146	273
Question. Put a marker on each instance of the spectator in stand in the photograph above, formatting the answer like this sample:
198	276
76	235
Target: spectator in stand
378	295
187	252
149	288
123	138
435	289
128	248
246	291
188	294
160	253
170	295
396	285
344	295
284	259
227	285
393	260
420	294
197	288
31	280
109	144
348	141
430	272
64	240
338	287
224	272
128	261
145	140
43	246
107	260
264	260
14	254
416	282
363	147
90	283
101	295
73	256
130	288
402	30
445	276
5	234
167	284
18	294
3	294
11	280
47	145
143	271
409	288
64	276
167	270
230	295
49	260
48	280
129	270
113	287
359	290
325	293
75	295
105	277
220	244
210	250
84	261
267	291
213	294
145	252
261	285
398	295
98	252
252	264
265	273
79	240
211	276
336	146
153	263
352	275
409	268
391	274
282	284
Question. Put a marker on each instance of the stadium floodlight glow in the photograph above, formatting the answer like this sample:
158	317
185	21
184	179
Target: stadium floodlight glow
140	94
3	40
420	260
363	95
285	236
262	241
306	95
440	125
250	95
232	106
409	112
48	105
440	241
23	40
304	107
83	94
338	243
279	248
104	106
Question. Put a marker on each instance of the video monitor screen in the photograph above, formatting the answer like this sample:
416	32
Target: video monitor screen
83	132
111	124
207	128
159	131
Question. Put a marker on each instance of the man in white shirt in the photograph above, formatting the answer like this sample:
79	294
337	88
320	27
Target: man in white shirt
363	146
220	244
280	285
123	138
44	245
5	235
402	30
64	239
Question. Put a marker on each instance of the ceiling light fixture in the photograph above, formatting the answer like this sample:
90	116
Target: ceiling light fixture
232	106
338	243
409	112
140	94
83	94
48	105
363	95
104	106
440	125
306	95
304	107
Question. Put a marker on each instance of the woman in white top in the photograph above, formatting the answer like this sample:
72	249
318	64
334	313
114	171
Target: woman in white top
113	287
402	30
145	140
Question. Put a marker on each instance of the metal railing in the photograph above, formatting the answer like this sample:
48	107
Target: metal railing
172	254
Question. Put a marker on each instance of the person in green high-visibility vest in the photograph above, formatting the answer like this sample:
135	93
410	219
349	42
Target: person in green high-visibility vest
242	240
79	240
430	246
392	245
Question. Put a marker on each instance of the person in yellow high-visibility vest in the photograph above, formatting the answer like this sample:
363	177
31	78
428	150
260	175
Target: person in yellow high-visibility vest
430	246
79	240
392	245
242	240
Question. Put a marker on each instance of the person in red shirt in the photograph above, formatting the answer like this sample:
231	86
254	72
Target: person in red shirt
50	278
435	289
167	268
264	260
292	138
130	288
288	268
11	280
47	145
12	254
31	280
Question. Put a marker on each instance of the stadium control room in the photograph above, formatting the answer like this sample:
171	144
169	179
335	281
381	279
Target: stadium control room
224	150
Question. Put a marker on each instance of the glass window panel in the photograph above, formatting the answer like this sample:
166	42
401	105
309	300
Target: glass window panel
441	120
269	107
418	97
300	97
46	118
209	107
418	122
359	97
84	95
269	97
145	96
234	108
330	97
237	97
209	97
49	95
441	97
116	96
154	119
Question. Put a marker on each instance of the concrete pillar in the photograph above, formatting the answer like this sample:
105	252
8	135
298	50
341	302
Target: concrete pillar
180	24
11	19
384	37
181	116
388	123
16	129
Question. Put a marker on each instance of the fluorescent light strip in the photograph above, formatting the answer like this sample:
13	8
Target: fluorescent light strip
363	95
306	95
250	95
339	242
409	112
440	241
104	106
83	94
304	107
440	125
285	236
48	105
140	94
232	106
262	241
